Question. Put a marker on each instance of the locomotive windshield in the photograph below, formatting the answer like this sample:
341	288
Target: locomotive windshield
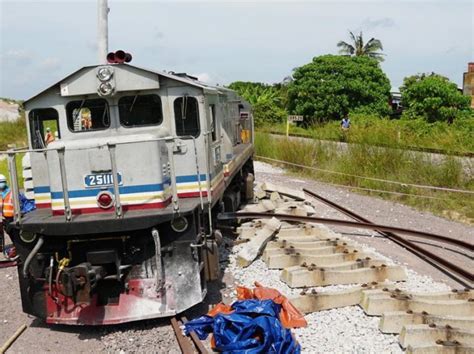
186	114
87	115
140	110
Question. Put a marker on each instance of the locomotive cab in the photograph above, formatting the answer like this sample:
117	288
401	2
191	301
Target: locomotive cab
127	167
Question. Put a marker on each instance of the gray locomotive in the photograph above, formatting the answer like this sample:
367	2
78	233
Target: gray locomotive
128	168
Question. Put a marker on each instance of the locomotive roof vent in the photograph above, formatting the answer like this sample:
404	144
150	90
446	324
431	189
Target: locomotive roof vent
185	75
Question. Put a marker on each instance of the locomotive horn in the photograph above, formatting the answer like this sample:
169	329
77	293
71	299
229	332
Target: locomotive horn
128	57
120	56
111	58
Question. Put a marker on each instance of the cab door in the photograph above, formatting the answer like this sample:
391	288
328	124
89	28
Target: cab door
190	117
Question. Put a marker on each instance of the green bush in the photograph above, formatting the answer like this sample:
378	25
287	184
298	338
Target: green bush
266	112
433	98
266	100
331	85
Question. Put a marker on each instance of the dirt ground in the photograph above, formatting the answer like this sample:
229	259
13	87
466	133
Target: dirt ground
157	336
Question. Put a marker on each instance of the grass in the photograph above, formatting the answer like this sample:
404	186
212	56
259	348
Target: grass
454	138
389	164
4	169
12	133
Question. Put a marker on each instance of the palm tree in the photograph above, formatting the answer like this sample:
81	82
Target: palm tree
358	48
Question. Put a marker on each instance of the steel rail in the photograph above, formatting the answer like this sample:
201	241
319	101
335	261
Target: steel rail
435	260
194	337
337	222
183	342
8	264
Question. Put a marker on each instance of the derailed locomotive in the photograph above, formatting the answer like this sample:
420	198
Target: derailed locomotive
127	193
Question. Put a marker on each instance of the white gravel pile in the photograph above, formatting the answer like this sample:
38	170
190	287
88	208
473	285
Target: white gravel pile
344	330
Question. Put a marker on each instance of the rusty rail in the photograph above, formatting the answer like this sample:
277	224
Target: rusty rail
438	262
184	343
337	222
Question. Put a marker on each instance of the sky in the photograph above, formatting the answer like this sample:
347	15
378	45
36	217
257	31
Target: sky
224	41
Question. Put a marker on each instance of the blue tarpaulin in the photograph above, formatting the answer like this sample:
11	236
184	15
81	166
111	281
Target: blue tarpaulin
26	205
253	327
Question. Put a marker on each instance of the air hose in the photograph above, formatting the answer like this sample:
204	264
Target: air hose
33	253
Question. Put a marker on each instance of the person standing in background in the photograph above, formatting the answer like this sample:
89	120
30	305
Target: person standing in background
345	122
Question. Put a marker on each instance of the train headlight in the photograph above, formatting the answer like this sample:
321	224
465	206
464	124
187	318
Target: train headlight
27	237
105	199
179	224
105	73
105	89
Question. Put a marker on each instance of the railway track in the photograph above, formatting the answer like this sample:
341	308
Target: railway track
441	319
462	276
188	345
307	256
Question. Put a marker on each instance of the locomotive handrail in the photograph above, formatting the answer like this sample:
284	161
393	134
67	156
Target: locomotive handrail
113	164
62	169
23	151
14	186
11	153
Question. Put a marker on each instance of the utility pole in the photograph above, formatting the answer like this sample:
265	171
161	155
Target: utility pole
102	30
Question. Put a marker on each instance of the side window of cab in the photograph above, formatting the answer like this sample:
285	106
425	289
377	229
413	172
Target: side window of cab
44	127
186	116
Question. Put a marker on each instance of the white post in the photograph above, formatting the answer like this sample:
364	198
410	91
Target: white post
102	31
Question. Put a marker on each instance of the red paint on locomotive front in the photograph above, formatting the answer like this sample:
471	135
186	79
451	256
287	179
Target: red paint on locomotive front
140	302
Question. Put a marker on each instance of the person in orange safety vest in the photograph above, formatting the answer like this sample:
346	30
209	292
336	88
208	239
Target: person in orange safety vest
6	202
6	209
49	137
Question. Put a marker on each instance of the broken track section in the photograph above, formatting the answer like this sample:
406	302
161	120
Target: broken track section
311	255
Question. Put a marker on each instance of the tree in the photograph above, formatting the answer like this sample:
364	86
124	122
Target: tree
332	85
433	97
359	49
266	100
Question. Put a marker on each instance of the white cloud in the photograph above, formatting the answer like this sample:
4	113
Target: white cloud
21	56
50	63
383	22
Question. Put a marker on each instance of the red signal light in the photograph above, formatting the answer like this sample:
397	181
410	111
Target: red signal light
119	57
105	200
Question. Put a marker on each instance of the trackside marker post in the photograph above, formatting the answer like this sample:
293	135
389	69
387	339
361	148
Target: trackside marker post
292	119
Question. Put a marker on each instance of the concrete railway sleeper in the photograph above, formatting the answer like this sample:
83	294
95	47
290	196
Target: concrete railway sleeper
426	335
303	277
393	322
